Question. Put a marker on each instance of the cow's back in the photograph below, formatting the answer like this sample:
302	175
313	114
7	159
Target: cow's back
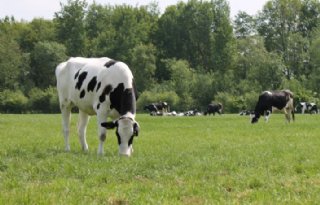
88	83
71	79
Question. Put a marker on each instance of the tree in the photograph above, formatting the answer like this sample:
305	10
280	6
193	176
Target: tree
44	59
309	17
70	28
256	68
35	31
10	62
244	25
143	66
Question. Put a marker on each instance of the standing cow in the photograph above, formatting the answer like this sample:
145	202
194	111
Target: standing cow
102	87
281	100
213	109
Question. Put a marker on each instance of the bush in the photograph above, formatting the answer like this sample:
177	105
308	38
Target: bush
13	101
44	101
149	97
231	103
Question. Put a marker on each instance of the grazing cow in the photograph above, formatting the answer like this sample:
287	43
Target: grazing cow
312	108
213	108
102	87
281	100
157	107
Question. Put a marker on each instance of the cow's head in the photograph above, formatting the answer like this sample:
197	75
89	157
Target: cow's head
126	129
254	118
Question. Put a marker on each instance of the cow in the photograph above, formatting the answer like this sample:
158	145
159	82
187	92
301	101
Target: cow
157	107
214	108
312	108
281	100
102	87
246	112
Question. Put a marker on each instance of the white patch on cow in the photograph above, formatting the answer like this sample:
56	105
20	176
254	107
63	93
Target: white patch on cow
269	93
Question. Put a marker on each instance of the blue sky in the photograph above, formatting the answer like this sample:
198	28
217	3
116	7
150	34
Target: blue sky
29	9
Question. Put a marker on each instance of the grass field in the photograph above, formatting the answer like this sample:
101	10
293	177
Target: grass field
177	160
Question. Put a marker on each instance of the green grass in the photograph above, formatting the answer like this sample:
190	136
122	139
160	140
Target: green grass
177	160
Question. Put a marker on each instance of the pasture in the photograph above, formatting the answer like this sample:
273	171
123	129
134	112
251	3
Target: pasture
176	160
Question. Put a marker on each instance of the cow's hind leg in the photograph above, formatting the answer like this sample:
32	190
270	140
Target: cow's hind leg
66	116
82	128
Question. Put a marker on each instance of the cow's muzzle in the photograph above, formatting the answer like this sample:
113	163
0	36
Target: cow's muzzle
125	150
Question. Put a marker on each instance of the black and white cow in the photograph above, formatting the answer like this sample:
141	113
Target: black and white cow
213	109
102	87
311	108
281	100
157	107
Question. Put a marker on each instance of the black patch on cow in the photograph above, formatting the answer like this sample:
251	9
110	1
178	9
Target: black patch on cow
98	106
92	84
123	100
77	74
99	85
81	78
82	94
110	63
105	92
118	137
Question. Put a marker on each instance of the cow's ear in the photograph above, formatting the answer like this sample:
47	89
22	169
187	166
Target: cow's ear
136	129
110	125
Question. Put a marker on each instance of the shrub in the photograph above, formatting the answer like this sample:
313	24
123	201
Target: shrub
231	103
13	101
149	97
44	101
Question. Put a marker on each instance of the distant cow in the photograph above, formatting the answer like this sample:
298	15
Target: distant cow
194	112
157	107
312	108
281	100
213	109
102	87
246	112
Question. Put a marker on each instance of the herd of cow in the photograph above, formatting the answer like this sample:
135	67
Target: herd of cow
106	88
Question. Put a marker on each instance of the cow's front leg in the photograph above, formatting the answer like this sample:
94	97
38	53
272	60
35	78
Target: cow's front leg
66	116
102	132
82	127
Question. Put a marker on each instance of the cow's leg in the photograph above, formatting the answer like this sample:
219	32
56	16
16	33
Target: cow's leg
82	128
287	114
66	116
102	131
267	115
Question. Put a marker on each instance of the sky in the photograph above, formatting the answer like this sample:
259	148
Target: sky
29	9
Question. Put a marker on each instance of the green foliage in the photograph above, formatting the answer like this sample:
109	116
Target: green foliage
70	28
44	101
231	103
13	101
10	62
44	60
143	66
149	97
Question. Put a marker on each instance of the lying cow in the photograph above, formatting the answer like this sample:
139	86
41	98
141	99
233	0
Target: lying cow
281	100
102	87
312	108
213	109
157	107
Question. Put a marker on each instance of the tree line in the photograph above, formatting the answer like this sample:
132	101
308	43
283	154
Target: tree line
189	56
